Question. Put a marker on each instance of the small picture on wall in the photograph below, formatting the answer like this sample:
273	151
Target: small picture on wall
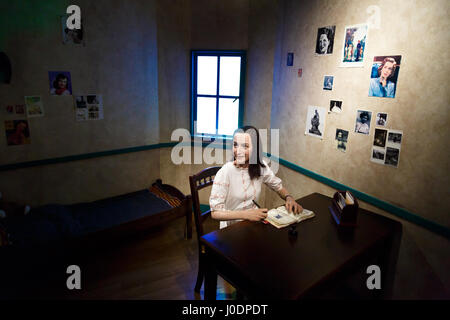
328	82
74	36
20	109
379	139
378	155
384	75
363	121
9	109
290	59
341	139
381	119
60	83
34	106
395	138
17	132
392	157
335	106
325	40
355	41
315	121
89	107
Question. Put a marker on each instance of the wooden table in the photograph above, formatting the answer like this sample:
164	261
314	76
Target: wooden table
262	261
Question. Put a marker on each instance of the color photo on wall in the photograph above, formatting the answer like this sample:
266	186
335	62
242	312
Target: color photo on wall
34	105
315	121
325	40
60	83
384	75
355	41
17	132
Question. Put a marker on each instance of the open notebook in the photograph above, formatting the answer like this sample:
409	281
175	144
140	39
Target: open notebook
280	217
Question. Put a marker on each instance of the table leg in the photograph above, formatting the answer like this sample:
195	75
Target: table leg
210	278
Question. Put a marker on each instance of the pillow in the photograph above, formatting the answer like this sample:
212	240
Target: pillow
171	200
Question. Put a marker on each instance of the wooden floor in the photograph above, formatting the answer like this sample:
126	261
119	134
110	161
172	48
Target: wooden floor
161	264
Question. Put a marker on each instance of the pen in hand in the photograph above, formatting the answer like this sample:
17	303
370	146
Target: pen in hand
263	221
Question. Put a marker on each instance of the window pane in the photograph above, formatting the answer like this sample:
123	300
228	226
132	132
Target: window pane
230	76
228	115
206	115
207	75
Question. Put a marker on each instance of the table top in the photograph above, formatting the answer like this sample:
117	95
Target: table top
285	267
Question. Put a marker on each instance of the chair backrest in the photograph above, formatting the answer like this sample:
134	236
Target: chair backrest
198	181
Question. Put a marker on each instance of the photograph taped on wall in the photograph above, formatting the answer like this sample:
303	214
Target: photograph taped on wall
325	40
384	75
355	42
379	139
75	37
335	106
60	83
341	139
34	105
378	155
315	121
392	157
381	120
290	59
89	107
395	139
363	121
17	132
328	82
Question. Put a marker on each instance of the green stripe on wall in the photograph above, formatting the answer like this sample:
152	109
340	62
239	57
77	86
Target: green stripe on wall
395	210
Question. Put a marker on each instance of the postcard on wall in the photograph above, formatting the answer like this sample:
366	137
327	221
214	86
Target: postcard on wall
341	139
75	36
290	59
89	107
325	40
335	106
378	155
17	132
383	76
363	121
60	83
379	139
34	105
381	120
355	41
328	82
315	121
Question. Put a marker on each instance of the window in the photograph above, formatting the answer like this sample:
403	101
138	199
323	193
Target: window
217	92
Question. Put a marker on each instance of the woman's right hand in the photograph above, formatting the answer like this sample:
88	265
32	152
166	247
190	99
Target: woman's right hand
256	214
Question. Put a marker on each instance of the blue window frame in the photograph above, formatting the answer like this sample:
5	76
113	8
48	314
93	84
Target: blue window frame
217	92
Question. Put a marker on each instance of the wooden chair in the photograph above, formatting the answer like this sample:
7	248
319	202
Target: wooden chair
203	179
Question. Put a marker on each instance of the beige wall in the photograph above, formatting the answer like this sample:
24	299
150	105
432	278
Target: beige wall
119	61
420	107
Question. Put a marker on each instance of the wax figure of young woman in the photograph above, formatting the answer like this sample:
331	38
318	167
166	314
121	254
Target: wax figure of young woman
239	182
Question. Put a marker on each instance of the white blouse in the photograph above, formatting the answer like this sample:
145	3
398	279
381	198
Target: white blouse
233	190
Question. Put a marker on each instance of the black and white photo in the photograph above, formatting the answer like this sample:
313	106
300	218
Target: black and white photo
315	121
392	156
395	138
335	106
363	121
381	119
325	40
378	155
341	139
379	139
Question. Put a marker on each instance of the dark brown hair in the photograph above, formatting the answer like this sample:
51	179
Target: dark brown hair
254	168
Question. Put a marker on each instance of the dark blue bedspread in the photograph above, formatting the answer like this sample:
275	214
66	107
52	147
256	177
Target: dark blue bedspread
55	222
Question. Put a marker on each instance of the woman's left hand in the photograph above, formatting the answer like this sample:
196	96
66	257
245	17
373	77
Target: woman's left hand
293	206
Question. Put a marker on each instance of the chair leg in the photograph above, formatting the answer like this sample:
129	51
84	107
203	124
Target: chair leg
200	277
